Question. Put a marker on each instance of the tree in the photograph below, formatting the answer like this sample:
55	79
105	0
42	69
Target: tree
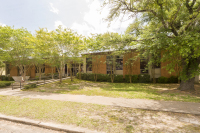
66	46
94	44
169	26
18	48
42	51
107	42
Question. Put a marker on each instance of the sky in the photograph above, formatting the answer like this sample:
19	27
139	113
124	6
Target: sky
86	17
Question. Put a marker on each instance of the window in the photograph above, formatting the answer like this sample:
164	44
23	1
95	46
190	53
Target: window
88	64
109	64
156	65
157	59
42	70
119	63
143	65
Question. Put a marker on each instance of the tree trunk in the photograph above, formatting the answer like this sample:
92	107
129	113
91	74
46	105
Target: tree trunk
79	71
153	74
188	70
70	72
130	77
61	70
95	77
40	73
187	85
52	73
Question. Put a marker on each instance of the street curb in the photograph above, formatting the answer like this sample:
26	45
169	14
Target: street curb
52	126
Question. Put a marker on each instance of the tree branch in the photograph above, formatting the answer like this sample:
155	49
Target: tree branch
190	8
193	18
176	14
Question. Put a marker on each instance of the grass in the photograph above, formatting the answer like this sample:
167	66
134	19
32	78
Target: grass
167	92
98	117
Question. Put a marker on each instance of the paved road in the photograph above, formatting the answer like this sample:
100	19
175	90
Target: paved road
171	106
12	127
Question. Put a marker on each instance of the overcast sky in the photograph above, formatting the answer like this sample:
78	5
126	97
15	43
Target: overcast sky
83	16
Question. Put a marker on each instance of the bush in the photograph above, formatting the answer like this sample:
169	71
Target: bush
163	80
5	78
30	86
173	79
90	77
119	79
7	83
103	78
134	78
86	76
144	78
2	85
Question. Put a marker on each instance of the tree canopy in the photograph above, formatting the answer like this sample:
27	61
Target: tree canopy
169	27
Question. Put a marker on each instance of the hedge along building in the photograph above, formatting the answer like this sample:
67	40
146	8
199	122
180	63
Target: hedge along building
124	64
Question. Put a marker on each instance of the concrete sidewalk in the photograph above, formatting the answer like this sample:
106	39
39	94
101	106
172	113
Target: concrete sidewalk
171	106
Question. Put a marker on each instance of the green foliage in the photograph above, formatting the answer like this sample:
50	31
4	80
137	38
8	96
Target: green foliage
6	78
103	78
4	84
119	79
30	86
163	80
144	78
172	79
133	77
100	77
86	76
170	27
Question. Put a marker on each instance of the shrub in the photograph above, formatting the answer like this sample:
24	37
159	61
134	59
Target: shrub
173	79
144	78
163	80
26	86
5	83
33	85
30	86
119	79
103	78
134	78
86	76
2	85
11	79
5	78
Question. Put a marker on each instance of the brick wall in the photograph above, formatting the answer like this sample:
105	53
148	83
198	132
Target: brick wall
99	64
13	71
165	72
48	69
128	69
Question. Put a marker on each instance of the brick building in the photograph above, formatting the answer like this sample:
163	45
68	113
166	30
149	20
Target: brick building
99	63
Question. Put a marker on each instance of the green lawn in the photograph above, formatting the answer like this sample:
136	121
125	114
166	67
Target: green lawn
166	92
98	117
